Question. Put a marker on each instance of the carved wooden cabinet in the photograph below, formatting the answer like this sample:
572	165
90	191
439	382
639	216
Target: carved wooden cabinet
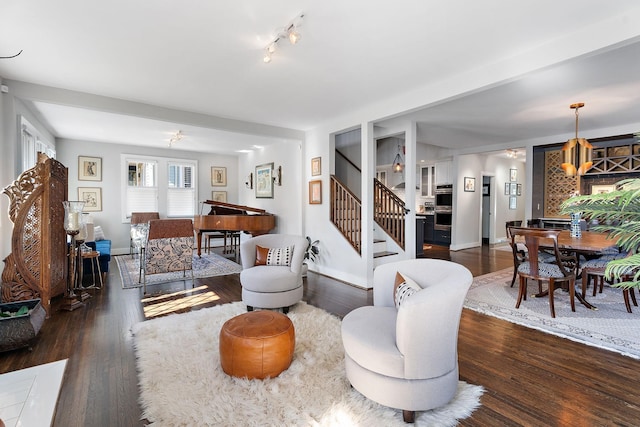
37	264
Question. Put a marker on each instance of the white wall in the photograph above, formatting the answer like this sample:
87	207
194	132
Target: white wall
467	224
287	199
110	218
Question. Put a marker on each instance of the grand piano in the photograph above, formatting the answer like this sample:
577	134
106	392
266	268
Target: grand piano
230	217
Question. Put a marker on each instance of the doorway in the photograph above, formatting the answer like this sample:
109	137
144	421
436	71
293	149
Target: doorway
487	211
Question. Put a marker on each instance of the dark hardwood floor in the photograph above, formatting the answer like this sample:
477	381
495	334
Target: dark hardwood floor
531	378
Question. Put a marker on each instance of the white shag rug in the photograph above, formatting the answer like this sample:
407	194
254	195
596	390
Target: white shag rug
609	327
182	383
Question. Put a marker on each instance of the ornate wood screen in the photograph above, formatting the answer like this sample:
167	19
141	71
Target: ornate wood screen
557	186
37	264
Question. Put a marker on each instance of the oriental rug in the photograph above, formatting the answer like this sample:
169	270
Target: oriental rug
609	327
182	383
208	265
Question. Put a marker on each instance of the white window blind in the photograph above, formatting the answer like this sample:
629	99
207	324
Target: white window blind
142	190
181	194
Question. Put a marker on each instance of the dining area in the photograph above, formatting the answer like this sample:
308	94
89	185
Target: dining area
565	259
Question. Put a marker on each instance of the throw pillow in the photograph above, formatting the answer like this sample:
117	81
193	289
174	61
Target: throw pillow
280	256
403	288
261	255
273	256
98	234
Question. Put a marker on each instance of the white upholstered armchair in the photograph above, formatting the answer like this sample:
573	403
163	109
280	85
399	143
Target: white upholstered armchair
407	357
271	275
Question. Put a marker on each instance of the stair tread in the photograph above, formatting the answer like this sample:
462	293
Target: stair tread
384	253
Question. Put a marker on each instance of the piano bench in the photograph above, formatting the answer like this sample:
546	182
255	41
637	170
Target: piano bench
232	247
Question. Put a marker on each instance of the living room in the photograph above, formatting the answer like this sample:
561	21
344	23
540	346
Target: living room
294	109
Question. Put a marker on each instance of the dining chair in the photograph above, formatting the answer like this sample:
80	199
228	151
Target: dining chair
563	270
594	270
519	250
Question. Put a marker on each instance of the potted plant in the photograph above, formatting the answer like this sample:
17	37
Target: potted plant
311	253
617	213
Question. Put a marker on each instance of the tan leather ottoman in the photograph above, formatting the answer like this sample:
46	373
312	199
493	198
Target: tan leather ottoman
257	344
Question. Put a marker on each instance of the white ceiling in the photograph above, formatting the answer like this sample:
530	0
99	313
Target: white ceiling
206	58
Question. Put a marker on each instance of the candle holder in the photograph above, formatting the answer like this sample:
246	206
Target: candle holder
72	225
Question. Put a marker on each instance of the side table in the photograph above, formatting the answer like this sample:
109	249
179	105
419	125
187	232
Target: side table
95	264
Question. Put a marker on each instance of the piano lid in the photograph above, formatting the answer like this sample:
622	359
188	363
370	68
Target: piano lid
223	208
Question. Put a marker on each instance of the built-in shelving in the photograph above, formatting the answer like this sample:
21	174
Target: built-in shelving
619	159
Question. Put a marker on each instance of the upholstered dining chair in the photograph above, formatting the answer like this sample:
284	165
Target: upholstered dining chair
562	270
169	247
594	270
271	275
402	351
139	229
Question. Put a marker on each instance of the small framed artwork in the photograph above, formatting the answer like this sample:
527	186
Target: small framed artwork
315	192
603	189
507	188
513	189
316	166
513	202
519	190
513	175
92	198
218	176
89	168
219	196
469	184
264	181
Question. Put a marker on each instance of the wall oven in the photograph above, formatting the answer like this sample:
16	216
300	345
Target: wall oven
443	208
444	196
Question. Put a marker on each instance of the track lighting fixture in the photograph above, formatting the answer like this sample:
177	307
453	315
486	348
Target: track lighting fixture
175	138
290	32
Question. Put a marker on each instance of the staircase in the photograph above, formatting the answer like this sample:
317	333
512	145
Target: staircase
346	215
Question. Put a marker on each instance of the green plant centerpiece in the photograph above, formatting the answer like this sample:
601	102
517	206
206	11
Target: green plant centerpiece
617	213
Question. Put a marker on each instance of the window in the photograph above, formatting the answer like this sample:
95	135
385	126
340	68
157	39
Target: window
157	184
181	194
32	144
142	190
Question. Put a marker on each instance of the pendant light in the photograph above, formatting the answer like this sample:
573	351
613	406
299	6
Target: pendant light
577	152
397	162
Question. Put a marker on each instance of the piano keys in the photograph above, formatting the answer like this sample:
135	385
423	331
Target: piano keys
230	217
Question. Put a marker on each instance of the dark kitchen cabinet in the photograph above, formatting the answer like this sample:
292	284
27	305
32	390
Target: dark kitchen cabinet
442	237
420	222
428	229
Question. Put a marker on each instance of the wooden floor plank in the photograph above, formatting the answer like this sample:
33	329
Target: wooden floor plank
531	378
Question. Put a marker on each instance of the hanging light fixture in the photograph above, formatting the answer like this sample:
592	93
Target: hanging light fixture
577	152
397	162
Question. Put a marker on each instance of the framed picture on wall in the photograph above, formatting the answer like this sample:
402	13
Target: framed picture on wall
513	175
315	192
469	184
513	202
519	190
218	176
507	188
219	196
316	166
89	168
513	189
264	181
92	198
